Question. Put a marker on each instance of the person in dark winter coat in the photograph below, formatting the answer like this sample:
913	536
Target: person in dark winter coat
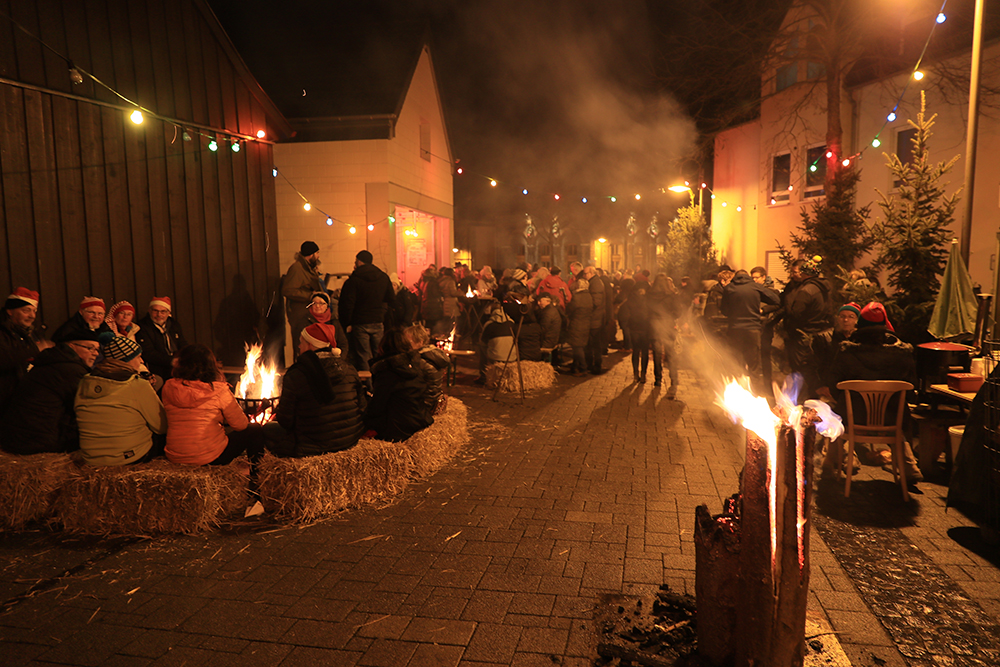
807	322
549	319
431	299
321	402
89	319
160	337
636	308
398	407
579	312
663	312
300	282
40	417
742	299
405	306
873	352
597	345
17	344
364	299
433	363
529	337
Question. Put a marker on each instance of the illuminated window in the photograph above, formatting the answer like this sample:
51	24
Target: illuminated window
781	177
815	178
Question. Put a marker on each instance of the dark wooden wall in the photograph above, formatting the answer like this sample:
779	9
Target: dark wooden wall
91	203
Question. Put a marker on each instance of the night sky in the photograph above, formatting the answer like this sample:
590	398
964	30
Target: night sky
560	96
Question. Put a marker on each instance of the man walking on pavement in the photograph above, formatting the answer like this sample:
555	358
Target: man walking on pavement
300	282
364	298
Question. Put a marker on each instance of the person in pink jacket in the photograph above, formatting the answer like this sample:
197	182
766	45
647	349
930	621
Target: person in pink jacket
199	404
554	285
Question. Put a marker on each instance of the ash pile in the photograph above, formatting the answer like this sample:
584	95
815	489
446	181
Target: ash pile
651	632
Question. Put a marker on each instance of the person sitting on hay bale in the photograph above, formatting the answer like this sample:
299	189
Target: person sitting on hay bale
433	363
497	341
321	400
398	407
40	416
198	402
117	411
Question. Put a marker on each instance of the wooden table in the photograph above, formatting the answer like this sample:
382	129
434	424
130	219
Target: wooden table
964	396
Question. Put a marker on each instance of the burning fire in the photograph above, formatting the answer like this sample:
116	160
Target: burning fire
259	381
469	293
448	344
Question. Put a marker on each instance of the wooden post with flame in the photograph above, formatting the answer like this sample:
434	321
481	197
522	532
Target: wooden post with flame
760	621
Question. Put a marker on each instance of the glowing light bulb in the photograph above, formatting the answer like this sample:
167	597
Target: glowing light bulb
790	187
891	117
236	147
846	162
307	206
876	143
556	197
185	135
638	197
614	199
329	222
213	145
829	154
493	182
725	204
584	200
739	208
687	183
918	75
602	240
392	218
458	171
353	229
136	117
454	249
813	168
941	18
713	195
371	228
524	191
274	172
773	200
261	134
704	185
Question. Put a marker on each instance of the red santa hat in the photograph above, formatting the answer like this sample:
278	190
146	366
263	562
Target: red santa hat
20	297
161	302
320	335
92	302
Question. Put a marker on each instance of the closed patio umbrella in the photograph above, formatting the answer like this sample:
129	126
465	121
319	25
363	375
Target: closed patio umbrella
955	309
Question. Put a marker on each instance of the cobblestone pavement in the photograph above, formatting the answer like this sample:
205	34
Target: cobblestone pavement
587	489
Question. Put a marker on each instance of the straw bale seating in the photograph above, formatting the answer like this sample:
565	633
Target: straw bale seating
536	374
29	486
152	498
160	497
308	489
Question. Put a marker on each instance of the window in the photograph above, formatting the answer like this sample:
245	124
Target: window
572	251
775	267
787	75
815	170
904	148
425	140
781	177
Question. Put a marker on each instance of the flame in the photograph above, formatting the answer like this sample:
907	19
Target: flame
450	342
259	380
469	293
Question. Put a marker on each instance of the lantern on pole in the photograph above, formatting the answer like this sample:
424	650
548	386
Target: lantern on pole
630	225
654	228
529	229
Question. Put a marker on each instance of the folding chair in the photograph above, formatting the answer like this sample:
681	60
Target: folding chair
877	395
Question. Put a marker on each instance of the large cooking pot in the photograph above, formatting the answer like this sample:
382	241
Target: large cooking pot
936	360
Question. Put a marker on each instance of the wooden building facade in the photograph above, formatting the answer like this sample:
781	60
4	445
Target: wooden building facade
93	204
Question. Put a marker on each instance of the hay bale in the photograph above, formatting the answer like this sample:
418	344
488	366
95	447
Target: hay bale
306	489
536	374
29	485
152	498
434	446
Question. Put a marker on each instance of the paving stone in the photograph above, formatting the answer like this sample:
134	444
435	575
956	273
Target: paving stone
492	641
430	655
388	653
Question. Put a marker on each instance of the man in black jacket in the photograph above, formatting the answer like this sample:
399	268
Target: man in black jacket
40	416
741	304
17	344
321	400
808	322
364	298
160	337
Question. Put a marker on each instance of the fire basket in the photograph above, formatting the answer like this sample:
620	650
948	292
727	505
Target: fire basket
259	410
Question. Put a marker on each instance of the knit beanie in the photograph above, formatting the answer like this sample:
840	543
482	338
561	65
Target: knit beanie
161	302
21	297
91	302
322	295
308	248
520	275
364	257
119	347
852	307
120	307
874	315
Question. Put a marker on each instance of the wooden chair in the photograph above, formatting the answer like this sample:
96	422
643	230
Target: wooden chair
877	395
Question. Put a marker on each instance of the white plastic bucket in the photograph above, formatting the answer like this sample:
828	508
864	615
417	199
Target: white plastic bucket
955	434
